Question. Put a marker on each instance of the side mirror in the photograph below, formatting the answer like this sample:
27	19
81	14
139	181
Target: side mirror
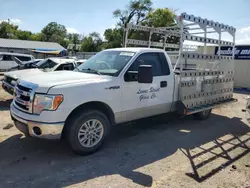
131	76
145	74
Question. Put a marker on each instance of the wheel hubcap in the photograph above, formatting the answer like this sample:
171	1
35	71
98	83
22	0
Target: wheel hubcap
90	133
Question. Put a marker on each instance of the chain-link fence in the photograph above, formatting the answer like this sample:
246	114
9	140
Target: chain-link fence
85	55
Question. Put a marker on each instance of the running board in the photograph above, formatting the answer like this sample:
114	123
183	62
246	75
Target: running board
189	111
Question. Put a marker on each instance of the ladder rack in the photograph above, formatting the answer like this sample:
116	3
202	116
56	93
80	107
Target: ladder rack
198	88
186	25
207	23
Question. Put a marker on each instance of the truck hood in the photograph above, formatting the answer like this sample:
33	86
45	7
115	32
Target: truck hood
23	73
50	79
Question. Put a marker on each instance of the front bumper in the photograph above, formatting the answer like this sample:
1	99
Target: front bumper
8	87
38	129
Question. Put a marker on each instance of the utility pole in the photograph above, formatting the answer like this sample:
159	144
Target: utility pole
8	32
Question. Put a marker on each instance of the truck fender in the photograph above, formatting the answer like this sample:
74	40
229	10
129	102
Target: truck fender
94	105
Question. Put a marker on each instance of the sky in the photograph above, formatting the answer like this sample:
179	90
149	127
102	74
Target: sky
85	16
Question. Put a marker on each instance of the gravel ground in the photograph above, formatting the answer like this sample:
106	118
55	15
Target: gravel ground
156	152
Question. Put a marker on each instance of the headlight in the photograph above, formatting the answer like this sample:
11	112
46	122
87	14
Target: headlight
13	82
46	102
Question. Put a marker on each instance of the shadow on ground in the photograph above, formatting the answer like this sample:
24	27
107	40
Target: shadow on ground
5	104
31	162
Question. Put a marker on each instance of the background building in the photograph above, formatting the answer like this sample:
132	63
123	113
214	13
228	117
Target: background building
241	63
36	48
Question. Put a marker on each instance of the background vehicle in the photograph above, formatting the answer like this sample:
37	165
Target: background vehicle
25	64
7	60
46	65
80	61
126	84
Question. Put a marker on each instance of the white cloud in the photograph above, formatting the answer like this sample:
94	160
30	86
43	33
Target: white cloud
244	30
243	41
13	21
72	30
243	35
16	21
113	26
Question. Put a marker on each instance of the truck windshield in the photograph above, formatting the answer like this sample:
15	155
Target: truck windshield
106	62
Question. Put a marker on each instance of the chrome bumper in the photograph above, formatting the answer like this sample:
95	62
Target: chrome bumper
8	87
49	131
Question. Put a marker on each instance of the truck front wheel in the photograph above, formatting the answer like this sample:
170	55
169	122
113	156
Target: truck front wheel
203	115
87	132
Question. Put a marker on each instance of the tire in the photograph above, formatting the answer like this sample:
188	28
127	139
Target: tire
82	128
203	115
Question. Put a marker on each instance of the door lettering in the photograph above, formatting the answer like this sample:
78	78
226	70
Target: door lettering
145	94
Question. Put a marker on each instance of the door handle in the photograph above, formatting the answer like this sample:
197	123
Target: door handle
164	83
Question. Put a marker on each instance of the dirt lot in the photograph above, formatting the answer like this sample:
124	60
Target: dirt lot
157	152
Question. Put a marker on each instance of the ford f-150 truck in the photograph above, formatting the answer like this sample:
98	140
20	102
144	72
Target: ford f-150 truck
121	85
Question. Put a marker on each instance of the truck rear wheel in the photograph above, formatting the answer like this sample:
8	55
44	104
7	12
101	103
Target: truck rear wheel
87	132
203	115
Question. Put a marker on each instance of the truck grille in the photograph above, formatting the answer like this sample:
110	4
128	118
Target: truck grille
24	97
22	88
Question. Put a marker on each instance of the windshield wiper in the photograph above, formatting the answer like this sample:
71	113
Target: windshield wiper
91	70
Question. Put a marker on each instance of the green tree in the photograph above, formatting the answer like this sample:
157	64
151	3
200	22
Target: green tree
23	35
92	43
113	38
7	30
54	32
74	38
65	43
141	12
36	36
136	12
161	17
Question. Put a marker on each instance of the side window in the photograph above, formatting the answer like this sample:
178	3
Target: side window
166	70
48	64
7	58
52	64
152	59
59	68
68	66
23	58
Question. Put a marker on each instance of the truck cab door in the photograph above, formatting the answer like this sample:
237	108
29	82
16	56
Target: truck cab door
141	100
6	62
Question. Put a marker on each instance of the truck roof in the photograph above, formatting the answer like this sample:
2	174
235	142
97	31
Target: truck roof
136	49
61	60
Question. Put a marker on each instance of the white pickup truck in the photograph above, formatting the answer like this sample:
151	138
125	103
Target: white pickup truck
46	65
115	86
